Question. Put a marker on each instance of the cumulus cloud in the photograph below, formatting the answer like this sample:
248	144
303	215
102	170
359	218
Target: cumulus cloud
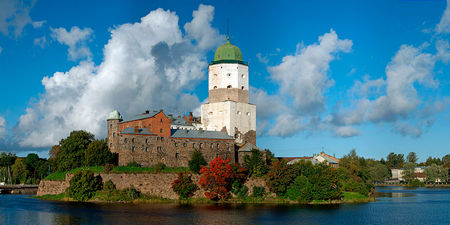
304	79
38	24
304	75
200	30
76	39
347	131
41	42
147	64
14	16
444	24
2	127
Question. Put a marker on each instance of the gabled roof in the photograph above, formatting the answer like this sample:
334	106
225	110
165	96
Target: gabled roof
201	134
131	130
180	122
248	147
329	158
143	116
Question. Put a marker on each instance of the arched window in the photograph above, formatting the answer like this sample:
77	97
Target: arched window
229	86
132	149
125	140
132	140
229	74
193	145
184	144
243	76
242	87
248	114
211	146
110	126
218	145
146	149
200	145
215	87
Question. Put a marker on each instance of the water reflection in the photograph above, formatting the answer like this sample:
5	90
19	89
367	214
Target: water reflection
395	205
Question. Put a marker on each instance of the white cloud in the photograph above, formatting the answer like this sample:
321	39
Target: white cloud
199	28
286	125
444	24
1	49
38	24
2	128
14	16
304	75
261	58
76	39
147	64
347	131
41	42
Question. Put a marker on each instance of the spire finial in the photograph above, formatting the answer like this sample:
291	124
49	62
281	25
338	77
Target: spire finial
228	29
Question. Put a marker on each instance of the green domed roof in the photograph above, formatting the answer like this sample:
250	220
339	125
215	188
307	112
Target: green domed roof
228	52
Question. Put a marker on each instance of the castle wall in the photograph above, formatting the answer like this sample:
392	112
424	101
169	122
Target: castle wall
157	184
174	152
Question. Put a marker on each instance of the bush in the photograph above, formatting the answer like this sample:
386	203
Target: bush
83	185
197	161
184	186
416	183
239	189
217	179
108	168
109	186
133	164
300	190
160	167
258	192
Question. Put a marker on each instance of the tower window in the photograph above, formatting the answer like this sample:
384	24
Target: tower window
215	87
243	76
229	86
146	149
242	87
239	112
215	74
229	74
110	126
248	114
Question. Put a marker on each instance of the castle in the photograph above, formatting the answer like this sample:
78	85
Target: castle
227	125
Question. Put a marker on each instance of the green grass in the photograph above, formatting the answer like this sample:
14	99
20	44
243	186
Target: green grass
51	197
62	175
130	169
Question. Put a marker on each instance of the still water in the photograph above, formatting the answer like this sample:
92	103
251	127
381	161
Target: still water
395	205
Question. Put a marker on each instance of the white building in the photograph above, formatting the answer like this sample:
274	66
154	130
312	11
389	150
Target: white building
228	108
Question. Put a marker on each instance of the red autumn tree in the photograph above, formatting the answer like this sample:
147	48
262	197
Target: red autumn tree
217	179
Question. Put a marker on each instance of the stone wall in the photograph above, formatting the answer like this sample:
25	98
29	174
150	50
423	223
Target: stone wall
173	152
228	94
157	184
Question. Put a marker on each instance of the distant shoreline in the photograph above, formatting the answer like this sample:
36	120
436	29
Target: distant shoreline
406	185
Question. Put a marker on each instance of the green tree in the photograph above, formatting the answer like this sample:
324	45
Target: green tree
300	189
98	154
72	152
325	183
32	163
83	185
197	161
379	172
412	157
395	161
19	172
255	164
430	161
7	160
431	173
408	172
279	177
446	160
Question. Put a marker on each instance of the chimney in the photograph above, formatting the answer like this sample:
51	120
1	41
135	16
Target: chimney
170	118
147	111
161	110
136	129
191	117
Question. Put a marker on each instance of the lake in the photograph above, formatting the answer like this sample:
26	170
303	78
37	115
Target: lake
395	205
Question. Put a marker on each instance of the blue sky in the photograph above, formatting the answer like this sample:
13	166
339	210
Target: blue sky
373	76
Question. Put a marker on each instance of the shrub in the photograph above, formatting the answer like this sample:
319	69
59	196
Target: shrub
197	161
133	164
160	167
83	185
416	183
300	190
109	186
239	189
217	179
108	168
184	186
258	192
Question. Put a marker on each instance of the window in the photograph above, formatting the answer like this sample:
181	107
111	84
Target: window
229	86
157	138
215	87
229	74
159	148
248	114
243	76
114	134
146	149
132	149
110	126
176	144
218	145
162	138
160	130
239	112
211	146
132	140
176	155
242	87
146	141
184	144
200	145
193	145
110	145
125	140
215	74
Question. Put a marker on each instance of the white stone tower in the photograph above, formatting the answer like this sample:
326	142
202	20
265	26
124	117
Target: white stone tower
228	108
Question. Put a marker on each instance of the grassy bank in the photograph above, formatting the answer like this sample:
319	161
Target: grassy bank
59	176
122	197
